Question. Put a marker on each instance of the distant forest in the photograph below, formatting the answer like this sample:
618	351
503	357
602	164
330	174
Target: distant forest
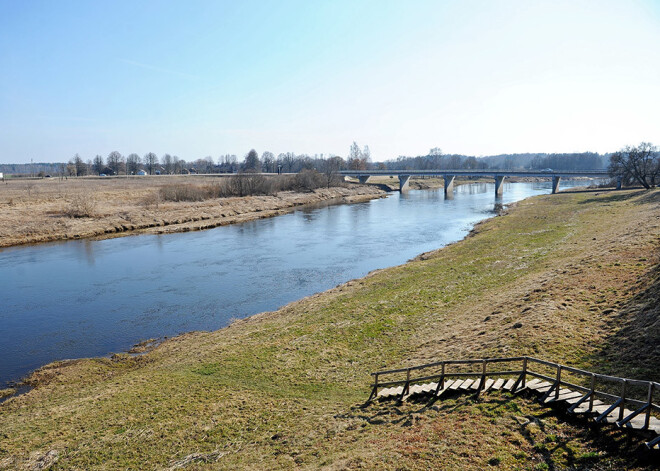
573	161
358	159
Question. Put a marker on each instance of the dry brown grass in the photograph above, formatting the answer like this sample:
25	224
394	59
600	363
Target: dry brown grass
53	209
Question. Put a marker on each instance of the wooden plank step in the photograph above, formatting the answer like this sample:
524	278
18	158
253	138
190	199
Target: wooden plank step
446	386
542	389
584	407
637	423
384	392
613	416
389	392
429	388
600	408
499	382
564	395
466	384
573	400
530	383
456	384
488	385
540	386
509	384
475	386
420	390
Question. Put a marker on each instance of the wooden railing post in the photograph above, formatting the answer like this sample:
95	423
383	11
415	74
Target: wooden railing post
406	387
559	367
524	373
374	391
482	381
441	381
624	390
593	389
649	404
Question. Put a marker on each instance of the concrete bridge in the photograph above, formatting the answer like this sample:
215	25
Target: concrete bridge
498	175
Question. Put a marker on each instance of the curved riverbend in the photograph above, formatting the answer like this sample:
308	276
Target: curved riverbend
90	298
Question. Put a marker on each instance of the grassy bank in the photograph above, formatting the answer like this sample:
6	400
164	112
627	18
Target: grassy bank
54	209
569	277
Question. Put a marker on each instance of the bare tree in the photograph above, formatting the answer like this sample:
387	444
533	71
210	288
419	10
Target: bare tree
79	166
178	165
640	164
356	158
132	164
208	164
115	161
150	161
454	162
251	162
268	162
331	169
98	165
168	164
286	161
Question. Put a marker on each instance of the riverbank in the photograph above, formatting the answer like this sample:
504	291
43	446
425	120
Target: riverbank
50	209
572	278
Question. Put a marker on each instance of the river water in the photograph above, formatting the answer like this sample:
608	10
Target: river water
91	298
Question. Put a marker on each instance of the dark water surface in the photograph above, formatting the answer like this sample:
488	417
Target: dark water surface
91	298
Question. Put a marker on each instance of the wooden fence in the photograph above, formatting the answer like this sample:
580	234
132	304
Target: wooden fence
594	385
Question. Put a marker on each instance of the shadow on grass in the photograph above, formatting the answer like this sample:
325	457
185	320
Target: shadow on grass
614	196
633	350
582	190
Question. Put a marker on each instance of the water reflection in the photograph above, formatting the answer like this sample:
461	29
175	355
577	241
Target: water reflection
89	298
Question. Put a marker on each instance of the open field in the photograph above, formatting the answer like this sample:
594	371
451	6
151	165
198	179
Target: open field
572	278
54	209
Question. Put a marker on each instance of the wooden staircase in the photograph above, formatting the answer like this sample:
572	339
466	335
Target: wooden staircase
551	385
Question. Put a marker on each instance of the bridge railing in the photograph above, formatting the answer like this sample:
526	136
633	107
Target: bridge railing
547	173
621	392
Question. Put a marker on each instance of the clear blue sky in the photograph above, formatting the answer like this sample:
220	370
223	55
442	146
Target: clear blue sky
200	78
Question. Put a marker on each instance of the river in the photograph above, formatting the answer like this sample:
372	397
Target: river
91	298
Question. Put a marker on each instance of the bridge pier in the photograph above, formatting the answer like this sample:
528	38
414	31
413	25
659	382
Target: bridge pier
555	184
403	182
363	178
449	185
499	188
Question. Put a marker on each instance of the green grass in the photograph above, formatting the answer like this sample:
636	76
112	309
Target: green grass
283	390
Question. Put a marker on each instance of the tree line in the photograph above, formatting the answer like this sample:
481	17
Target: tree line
642	160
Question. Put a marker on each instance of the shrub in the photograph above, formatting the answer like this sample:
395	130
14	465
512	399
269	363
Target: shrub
246	184
183	193
81	206
308	180
243	184
151	200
